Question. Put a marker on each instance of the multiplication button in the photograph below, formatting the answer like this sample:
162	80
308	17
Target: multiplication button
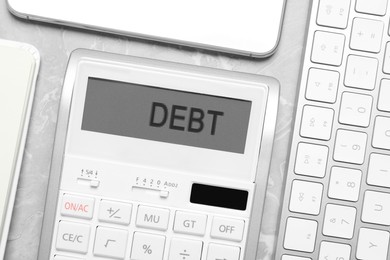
217	252
115	212
153	218
73	237
147	247
227	229
110	243
190	223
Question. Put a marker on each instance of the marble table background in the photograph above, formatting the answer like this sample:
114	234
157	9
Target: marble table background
55	44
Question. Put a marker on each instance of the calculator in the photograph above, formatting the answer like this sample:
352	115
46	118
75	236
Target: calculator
156	160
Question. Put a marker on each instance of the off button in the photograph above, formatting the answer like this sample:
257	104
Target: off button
227	229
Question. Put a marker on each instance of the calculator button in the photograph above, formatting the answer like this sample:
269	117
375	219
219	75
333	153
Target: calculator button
227	229
77	206
306	197
290	257
110	243
350	146
153	218
344	184
217	252
147	247
60	257
115	212
376	7
311	160
184	249
73	237
328	48
376	208
333	13
355	109
190	223
322	85
339	221
379	170
361	72
366	35
300	234
334	251
381	137
317	122
384	96
372	243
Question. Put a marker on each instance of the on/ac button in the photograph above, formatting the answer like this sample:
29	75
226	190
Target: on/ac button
78	207
227	229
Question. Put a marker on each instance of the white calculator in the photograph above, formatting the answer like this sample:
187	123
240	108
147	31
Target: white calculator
156	160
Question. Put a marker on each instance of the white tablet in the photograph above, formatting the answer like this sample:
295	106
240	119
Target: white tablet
156	160
246	27
19	65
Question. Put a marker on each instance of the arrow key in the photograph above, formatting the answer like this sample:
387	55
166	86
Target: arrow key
222	252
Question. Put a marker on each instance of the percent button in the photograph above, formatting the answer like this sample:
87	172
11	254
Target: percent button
147	247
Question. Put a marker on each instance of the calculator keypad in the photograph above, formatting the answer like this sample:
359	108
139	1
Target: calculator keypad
119	230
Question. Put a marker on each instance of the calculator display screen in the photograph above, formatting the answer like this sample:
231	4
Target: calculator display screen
165	115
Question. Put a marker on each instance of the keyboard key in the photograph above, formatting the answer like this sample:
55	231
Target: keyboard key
376	7
115	212
153	218
311	160
355	109
339	221
333	13
372	244
344	184
334	251
322	85
306	197
386	62
381	138
350	146
366	35
227	229
317	122
185	249
300	234
217	251
110	242
190	223
77	206
290	257
384	96
328	48
60	257
73	237
361	72
147	247
379	170
376	208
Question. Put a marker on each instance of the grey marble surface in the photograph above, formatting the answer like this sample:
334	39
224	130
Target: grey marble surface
55	45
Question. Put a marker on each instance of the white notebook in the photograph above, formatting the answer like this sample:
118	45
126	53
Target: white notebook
19	65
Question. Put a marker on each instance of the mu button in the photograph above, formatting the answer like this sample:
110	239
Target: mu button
153	218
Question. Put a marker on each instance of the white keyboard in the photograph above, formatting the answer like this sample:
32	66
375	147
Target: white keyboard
337	194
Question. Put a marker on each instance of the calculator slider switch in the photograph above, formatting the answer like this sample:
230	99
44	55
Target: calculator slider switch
91	183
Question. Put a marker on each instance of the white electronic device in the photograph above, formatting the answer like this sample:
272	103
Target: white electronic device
19	63
156	160
245	27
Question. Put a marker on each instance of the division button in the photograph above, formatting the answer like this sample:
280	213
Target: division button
73	237
217	252
184	249
190	223
147	247
77	206
110	243
153	218
115	212
227	229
